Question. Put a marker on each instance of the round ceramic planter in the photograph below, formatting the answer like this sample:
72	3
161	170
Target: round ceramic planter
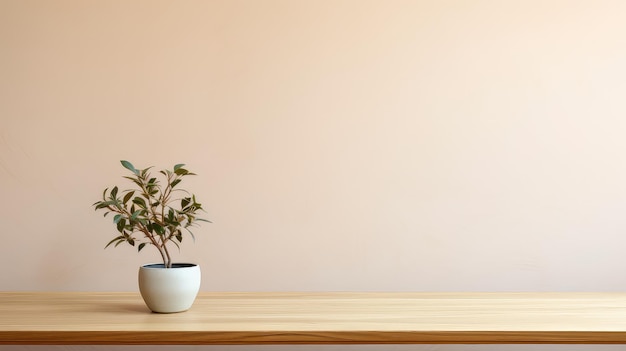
169	290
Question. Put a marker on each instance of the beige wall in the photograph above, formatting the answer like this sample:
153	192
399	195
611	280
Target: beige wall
340	145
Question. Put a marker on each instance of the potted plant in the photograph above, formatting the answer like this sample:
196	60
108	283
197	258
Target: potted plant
157	213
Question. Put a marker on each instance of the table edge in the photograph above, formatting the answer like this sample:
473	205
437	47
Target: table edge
308	337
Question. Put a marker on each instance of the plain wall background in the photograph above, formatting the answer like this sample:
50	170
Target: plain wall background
339	145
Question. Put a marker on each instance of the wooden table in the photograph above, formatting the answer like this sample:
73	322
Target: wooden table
316	318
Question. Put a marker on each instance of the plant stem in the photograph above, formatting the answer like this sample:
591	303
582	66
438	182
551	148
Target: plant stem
160	245
168	262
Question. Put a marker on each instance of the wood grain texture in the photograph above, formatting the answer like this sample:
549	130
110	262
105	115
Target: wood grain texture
316	318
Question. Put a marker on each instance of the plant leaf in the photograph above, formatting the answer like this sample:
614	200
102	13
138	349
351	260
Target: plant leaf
144	172
121	224
184	203
114	192
112	241
181	172
103	205
141	246
158	229
136	214
129	166
127	197
137	182
178	166
140	202
117	218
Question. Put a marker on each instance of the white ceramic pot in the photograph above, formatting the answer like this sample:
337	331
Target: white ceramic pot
169	290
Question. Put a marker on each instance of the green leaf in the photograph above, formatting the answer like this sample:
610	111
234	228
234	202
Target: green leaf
114	192
137	182
121	224
175	182
114	240
141	246
136	214
144	172
129	166
140	202
181	172
178	166
117	218
101	205
128	196
158	229
185	202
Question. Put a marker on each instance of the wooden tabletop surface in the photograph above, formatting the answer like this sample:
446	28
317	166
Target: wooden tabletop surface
316	318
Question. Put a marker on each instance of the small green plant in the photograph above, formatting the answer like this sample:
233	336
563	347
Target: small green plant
151	210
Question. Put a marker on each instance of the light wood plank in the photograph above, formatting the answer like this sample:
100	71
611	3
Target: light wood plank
315	318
